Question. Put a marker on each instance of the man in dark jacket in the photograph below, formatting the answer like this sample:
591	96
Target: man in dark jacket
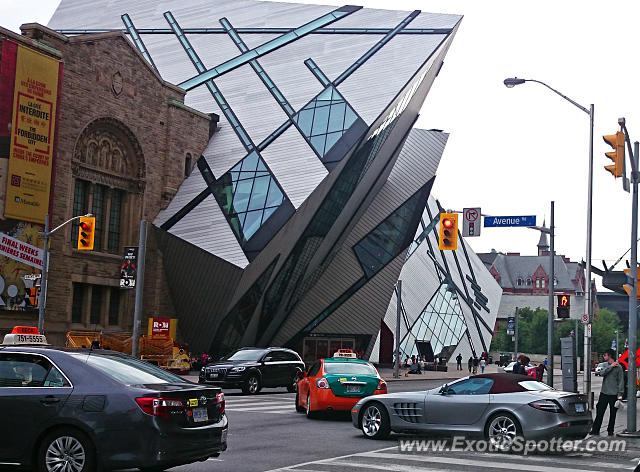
519	367
459	361
612	389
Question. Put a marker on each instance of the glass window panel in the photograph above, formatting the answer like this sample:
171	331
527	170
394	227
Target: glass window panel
349	117
320	121
241	195
96	304
332	138
267	213
114	221
250	163
251	223
305	120
259	193
326	94
261	166
275	196
318	143
114	306
79	206
77	303
99	213
336	117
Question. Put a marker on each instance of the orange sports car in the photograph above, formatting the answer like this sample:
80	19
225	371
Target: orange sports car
337	383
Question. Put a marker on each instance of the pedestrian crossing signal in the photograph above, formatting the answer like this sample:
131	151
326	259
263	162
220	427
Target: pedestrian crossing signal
564	306
86	233
32	296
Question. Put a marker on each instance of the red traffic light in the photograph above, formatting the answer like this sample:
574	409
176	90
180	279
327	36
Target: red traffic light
84	226
447	223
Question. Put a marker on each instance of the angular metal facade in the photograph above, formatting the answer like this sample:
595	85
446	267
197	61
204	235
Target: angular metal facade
311	191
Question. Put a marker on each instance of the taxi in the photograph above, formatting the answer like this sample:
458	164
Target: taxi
337	383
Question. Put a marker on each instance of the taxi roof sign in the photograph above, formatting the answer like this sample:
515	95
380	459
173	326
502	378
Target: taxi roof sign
345	353
24	336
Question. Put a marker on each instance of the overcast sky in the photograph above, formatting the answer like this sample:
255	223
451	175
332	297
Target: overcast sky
512	151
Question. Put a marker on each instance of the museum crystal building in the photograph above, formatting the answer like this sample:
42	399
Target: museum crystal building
294	224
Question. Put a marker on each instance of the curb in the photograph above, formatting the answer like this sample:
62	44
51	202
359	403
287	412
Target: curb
414	379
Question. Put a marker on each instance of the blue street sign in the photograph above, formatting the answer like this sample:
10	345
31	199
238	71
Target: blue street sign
502	221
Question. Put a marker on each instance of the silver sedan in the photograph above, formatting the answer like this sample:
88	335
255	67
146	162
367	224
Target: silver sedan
499	407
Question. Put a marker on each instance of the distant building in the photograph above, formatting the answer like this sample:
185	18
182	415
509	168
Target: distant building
525	279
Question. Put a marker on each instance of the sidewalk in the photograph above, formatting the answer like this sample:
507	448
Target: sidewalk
451	374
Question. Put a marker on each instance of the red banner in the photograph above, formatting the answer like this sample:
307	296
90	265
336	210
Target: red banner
160	327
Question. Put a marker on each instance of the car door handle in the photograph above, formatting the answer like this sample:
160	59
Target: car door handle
49	400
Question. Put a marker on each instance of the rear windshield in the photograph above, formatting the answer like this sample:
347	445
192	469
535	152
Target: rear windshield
348	368
245	355
128	370
534	385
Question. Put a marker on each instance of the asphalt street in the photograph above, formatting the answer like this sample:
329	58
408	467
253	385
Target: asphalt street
266	434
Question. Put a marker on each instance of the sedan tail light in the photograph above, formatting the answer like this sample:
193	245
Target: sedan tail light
382	386
547	405
161	407
322	383
220	401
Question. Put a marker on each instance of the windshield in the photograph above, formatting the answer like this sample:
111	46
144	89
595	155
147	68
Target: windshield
128	370
534	385
245	355
348	368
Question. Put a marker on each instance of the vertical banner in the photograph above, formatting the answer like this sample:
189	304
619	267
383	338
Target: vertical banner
8	53
129	267
32	135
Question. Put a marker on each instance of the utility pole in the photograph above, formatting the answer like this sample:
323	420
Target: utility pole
551	288
588	302
137	315
633	300
396	368
515	348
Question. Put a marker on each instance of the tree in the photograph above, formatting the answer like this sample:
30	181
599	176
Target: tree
603	330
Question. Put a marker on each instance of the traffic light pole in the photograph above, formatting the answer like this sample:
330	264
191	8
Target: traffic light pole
550	289
137	314
588	302
42	299
396	369
633	302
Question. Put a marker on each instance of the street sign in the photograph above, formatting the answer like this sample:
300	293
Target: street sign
129	267
471	222
505	221
585	318
511	326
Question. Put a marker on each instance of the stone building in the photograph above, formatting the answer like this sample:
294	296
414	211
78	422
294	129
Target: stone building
125	142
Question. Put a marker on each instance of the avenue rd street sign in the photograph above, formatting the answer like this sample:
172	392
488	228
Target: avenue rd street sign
504	221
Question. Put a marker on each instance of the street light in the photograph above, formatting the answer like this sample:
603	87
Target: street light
510	83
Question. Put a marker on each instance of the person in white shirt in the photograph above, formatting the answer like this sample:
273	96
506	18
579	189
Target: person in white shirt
483	363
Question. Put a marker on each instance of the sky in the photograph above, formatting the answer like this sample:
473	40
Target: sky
512	151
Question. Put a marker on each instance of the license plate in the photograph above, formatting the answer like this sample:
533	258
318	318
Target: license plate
199	415
353	389
223	436
213	376
580	407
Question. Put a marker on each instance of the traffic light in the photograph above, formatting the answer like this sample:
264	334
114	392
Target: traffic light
616	141
626	286
86	233
448	232
32	296
564	306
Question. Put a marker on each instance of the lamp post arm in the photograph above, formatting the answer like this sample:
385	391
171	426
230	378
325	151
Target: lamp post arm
584	109
67	222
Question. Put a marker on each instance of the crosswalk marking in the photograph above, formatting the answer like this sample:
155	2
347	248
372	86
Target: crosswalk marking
271	404
391	460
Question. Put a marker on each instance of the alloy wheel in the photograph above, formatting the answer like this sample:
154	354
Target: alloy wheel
253	384
371	420
65	454
502	432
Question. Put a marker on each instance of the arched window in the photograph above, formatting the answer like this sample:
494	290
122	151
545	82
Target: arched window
537	283
528	281
519	281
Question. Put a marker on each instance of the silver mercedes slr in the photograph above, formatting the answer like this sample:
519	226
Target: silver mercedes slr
499	407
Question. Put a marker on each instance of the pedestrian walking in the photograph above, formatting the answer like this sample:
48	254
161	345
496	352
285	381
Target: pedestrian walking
611	392
475	364
407	364
519	367
483	363
459	361
470	363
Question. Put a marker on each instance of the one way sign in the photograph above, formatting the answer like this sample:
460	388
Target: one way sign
471	222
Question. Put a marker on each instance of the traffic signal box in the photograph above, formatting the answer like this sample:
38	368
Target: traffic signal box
448	232
564	306
616	141
626	286
86	233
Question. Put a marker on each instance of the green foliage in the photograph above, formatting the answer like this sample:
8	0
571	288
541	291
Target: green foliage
532	336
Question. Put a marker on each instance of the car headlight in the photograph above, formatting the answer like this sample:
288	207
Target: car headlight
237	369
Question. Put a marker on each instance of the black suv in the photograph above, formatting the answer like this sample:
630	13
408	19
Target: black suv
252	368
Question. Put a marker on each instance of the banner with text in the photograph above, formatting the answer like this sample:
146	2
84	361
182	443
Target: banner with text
20	251
32	134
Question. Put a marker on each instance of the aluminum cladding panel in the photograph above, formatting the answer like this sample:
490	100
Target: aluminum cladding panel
376	83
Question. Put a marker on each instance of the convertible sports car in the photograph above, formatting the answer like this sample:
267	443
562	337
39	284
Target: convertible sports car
499	407
336	384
